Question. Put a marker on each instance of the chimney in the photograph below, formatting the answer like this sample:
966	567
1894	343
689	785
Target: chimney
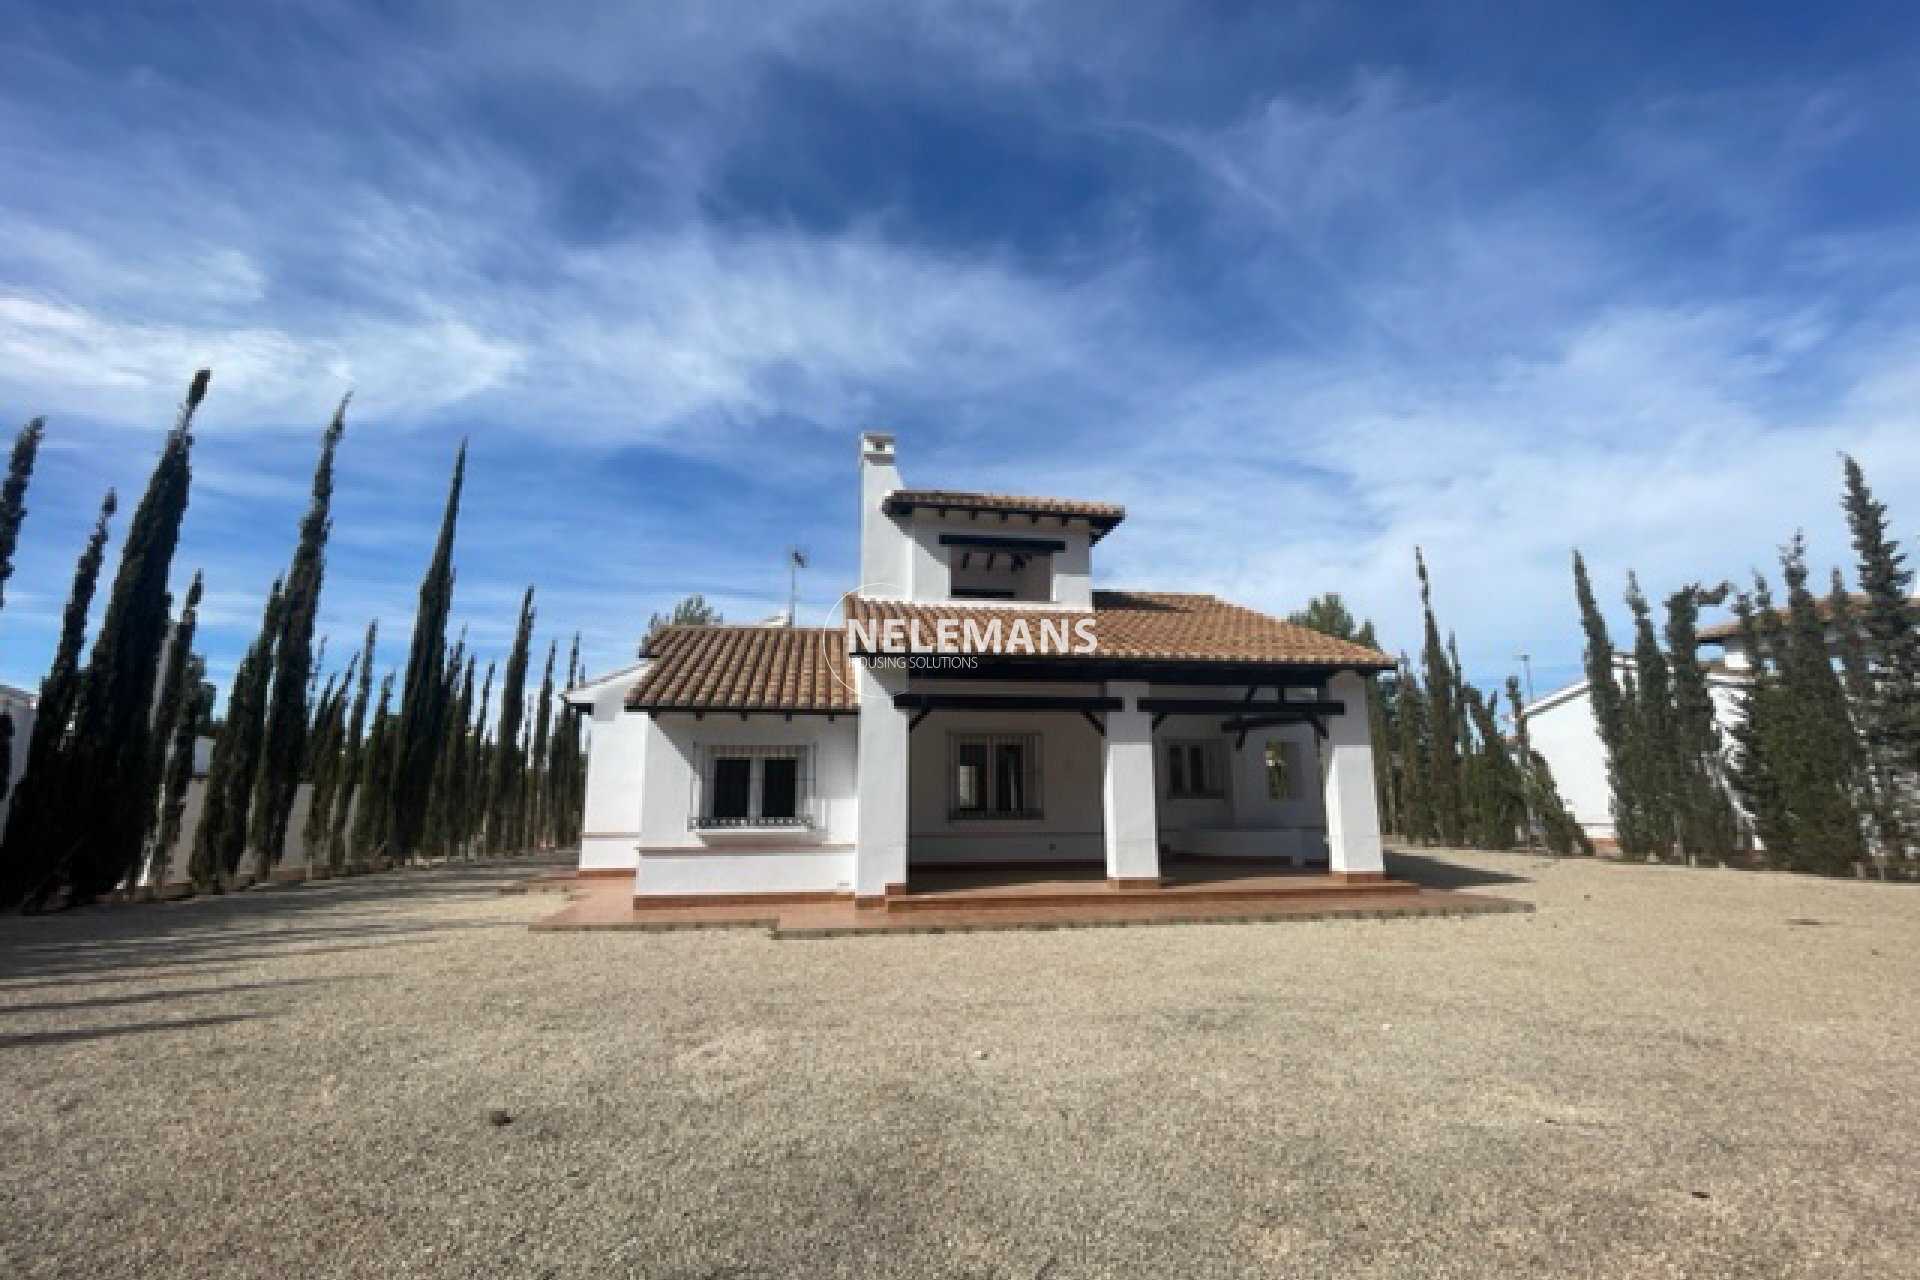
881	539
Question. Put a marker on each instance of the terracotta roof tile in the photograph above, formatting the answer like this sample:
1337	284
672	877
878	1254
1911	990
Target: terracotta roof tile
745	668
754	668
1158	626
1722	632
1102	515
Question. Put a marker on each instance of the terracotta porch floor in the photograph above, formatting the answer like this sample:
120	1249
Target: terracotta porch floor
962	900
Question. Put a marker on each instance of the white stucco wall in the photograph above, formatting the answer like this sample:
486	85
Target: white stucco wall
1064	577
674	858
18	704
1564	731
1069	829
616	759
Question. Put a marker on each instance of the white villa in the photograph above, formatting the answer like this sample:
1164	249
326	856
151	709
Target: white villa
980	704
1564	731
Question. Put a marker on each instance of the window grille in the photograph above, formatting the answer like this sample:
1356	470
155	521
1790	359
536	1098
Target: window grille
994	776
752	787
1196	770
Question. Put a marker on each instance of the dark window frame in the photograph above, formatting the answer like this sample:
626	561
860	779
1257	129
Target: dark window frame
983	789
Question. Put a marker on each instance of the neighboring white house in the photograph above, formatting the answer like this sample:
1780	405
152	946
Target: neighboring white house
18	704
978	703
1564	730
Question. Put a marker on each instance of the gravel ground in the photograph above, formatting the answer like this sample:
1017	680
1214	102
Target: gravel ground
1660	1072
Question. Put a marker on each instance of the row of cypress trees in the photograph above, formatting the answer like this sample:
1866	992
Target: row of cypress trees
110	759
1823	761
1444	772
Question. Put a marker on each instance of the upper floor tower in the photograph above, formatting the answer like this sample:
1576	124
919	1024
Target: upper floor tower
981	548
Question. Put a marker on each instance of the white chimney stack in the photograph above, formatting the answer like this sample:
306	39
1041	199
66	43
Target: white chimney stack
882	541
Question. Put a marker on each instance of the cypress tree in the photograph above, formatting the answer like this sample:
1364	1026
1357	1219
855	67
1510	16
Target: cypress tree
1892	634
479	760
318	664
446	814
1443	724
30	853
1610	711
538	779
221	841
1879	798
422	718
179	686
1498	806
283	747
354	751
325	761
1705	820
370	833
111	800
1651	749
504	795
195	710
13	499
570	789
1416	777
1762	732
1822	767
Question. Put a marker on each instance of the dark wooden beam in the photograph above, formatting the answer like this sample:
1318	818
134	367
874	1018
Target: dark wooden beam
1243	723
1003	542
1093	669
1004	702
1094	720
915	722
1240	706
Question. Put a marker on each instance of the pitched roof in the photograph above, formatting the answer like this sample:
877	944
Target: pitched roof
1154	626
1101	515
1722	632
745	668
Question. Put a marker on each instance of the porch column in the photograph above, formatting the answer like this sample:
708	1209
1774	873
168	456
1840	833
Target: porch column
1353	814
1128	818
880	850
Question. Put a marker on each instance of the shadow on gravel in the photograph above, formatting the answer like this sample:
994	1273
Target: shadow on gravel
163	997
77	1034
128	940
1435	872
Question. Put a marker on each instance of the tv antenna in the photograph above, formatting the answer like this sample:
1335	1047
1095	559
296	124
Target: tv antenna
796	561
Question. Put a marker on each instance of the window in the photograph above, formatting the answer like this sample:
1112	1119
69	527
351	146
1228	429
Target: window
1195	771
732	788
780	787
989	573
995	776
1284	780
751	787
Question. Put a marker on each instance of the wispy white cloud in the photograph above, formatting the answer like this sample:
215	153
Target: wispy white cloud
1305	322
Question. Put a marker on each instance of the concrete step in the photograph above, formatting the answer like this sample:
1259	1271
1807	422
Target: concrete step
1020	898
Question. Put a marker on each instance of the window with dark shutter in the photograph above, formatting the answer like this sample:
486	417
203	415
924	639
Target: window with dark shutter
780	788
739	786
732	787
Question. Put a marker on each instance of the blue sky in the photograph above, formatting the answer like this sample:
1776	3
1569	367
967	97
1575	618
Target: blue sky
1301	284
